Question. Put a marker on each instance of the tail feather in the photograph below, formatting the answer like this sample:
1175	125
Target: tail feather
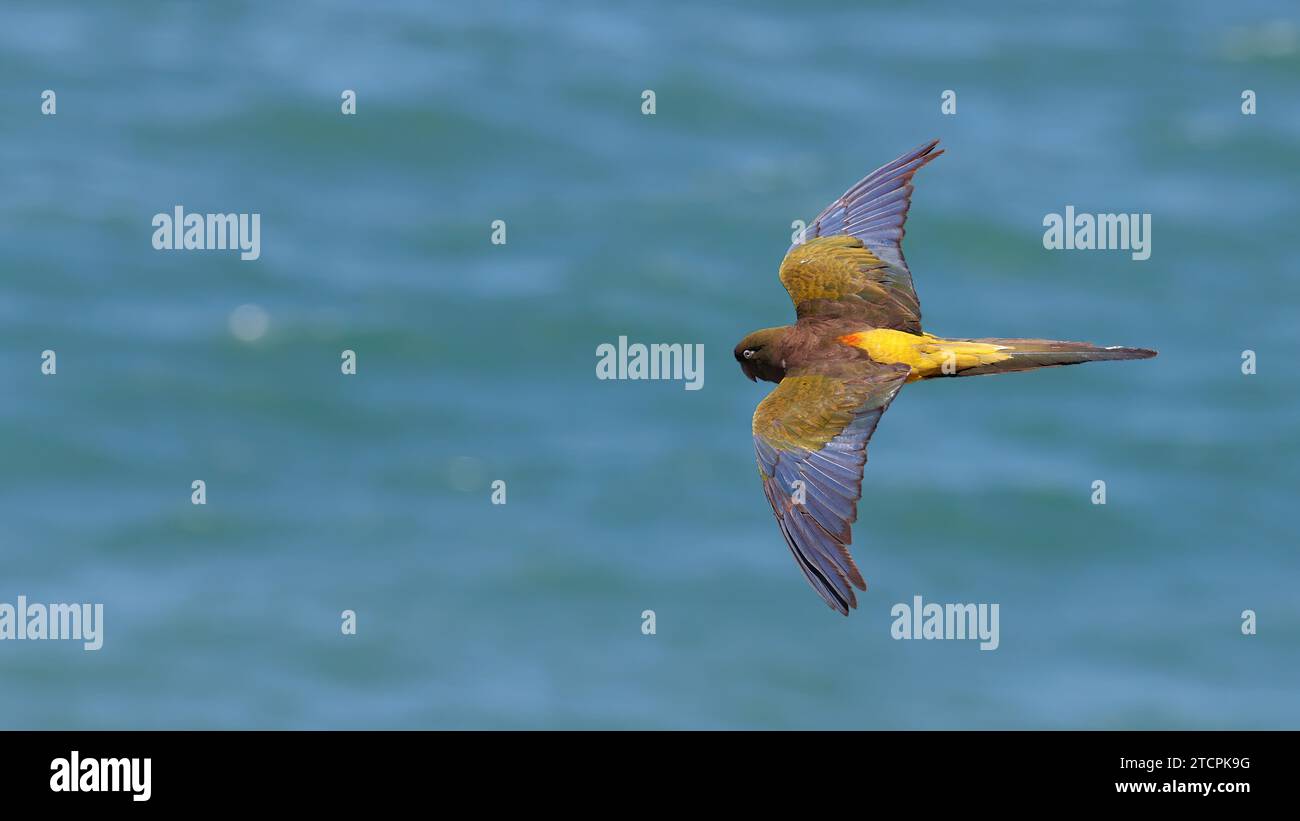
1031	354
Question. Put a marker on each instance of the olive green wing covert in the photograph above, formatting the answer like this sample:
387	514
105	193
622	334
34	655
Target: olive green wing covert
810	436
851	264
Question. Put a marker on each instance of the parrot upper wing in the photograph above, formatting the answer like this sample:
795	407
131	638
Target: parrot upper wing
810	435
851	263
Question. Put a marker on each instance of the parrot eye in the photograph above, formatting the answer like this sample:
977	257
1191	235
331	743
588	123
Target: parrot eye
749	354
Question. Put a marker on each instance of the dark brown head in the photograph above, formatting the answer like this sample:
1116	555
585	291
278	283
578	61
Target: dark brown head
761	355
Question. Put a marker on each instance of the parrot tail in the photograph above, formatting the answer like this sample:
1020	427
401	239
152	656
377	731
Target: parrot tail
1012	355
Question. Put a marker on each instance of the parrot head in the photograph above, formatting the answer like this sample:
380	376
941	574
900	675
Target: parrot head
761	356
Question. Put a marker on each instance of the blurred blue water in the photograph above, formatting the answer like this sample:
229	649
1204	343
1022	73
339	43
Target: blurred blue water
476	363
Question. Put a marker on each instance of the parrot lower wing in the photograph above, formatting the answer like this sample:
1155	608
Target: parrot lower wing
810	436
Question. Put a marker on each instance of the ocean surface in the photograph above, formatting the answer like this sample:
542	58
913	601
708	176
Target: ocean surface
476	363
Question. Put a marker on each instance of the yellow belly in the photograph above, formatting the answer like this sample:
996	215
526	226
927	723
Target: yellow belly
925	354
